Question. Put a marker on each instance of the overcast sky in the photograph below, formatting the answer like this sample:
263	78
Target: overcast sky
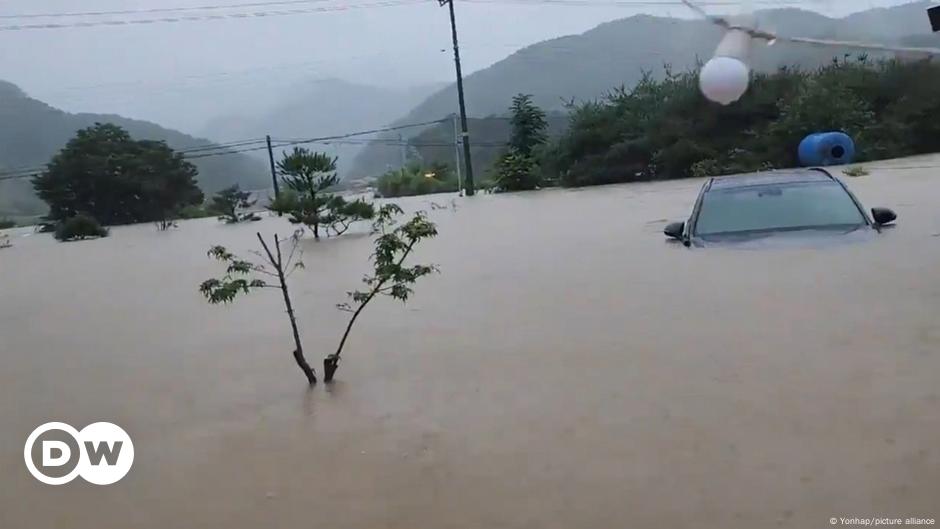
168	72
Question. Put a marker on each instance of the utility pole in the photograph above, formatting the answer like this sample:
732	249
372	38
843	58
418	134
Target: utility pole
457	154
403	150
465	134
277	187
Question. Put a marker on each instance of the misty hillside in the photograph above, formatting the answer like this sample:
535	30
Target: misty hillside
32	132
587	66
322	108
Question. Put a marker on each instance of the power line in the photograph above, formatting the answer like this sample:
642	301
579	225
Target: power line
204	18
407	143
364	132
244	146
217	146
159	10
227	153
302	11
636	3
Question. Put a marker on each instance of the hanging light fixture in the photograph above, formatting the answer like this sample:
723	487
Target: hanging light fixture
725	78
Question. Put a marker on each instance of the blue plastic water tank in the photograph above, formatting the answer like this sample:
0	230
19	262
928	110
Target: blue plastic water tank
826	148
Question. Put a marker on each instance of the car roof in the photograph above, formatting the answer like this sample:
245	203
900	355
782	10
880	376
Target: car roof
792	176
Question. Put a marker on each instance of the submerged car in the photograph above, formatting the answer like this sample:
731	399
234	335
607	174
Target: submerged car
782	204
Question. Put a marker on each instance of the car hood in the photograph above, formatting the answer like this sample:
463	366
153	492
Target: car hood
808	238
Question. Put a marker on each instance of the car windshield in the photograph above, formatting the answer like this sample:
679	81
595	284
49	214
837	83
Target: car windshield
777	207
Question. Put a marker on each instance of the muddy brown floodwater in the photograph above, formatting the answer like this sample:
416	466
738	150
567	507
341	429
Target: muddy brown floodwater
568	369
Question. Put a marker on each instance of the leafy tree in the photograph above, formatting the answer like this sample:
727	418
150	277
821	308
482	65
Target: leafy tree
342	213
79	227
307	176
238	280
518	169
391	277
516	172
528	125
104	173
231	203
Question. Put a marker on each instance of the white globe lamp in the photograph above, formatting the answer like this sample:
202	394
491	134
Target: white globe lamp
724	79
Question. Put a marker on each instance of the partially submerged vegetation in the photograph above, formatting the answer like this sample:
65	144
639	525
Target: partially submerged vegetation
390	276
855	171
238	280
307	200
416	179
79	227
233	205
517	169
104	173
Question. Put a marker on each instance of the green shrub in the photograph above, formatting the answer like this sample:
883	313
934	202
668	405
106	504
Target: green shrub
78	228
6	223
664	128
516	171
705	168
416	180
858	170
196	212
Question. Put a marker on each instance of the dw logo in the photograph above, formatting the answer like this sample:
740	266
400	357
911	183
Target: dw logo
102	453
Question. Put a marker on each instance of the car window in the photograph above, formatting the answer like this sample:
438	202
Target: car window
769	207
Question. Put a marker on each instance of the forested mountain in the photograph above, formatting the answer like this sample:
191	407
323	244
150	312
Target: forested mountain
588	66
31	132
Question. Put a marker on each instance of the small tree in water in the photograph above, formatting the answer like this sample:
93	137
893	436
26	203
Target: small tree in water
390	277
238	280
517	169
232	204
528	125
308	175
79	228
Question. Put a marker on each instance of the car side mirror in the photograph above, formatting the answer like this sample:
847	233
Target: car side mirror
675	230
883	216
